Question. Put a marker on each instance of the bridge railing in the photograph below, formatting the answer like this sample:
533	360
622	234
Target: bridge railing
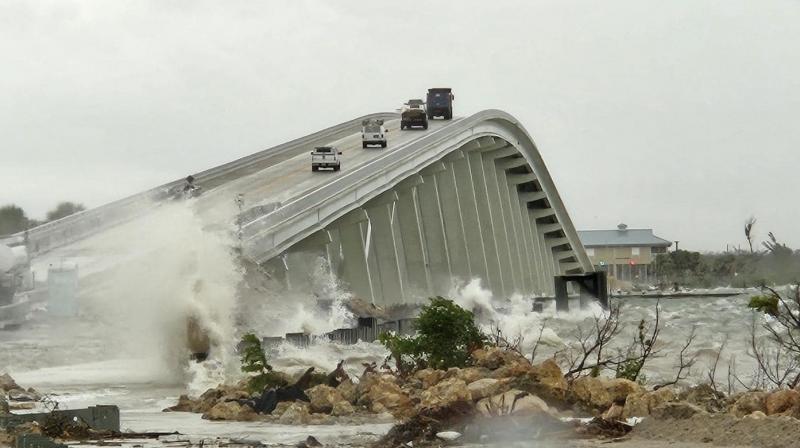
57	233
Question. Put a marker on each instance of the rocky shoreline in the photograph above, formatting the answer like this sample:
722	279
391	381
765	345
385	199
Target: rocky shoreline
502	392
500	398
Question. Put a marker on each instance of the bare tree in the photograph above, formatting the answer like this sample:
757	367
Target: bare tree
778	355
538	340
748	231
712	372
685	362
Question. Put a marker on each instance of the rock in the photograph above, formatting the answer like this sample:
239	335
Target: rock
749	402
781	401
348	390
323	398
7	383
472	374
592	392
680	410
512	402
381	393
620	388
23	395
484	388
230	410
342	408
641	404
494	357
296	414
513	369
429	377
549	374
281	407
3	407
704	396
207	400
448	435
185	404
529	405
445	394
310	442
757	415
614	412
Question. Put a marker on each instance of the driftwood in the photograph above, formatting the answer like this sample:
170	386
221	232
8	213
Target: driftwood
269	398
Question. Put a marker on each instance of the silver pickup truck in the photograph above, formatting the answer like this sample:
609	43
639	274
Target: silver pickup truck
326	157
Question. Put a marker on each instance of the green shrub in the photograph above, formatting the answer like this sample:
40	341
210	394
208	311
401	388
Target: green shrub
254	360
446	336
767	304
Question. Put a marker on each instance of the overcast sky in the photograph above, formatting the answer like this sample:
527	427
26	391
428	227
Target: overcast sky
683	116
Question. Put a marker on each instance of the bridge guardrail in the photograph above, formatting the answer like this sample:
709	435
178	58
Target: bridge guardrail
74	227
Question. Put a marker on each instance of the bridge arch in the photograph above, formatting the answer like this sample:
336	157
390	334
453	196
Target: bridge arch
473	199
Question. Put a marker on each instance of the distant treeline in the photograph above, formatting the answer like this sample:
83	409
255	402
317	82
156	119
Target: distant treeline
777	264
13	218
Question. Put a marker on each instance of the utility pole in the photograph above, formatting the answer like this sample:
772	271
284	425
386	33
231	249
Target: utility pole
676	245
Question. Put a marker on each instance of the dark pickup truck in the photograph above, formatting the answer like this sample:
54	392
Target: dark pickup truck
413	114
440	103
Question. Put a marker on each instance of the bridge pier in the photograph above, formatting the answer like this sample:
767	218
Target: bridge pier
388	249
353	228
450	201
413	241
476	252
489	233
433	229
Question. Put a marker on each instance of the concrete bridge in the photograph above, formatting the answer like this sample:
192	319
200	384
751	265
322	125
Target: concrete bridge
468	198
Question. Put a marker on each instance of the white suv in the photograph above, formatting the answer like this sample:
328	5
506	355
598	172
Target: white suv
373	133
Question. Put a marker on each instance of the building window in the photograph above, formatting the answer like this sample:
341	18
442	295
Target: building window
635	251
590	251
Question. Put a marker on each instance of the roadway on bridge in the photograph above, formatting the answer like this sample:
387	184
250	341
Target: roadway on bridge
285	180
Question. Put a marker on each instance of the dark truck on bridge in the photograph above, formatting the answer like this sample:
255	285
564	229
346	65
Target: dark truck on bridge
440	103
413	114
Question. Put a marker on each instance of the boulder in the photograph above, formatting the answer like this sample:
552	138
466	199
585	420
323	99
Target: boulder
4	407
485	387
512	402
782	401
530	405
494	357
429	377
185	404
549	374
620	388
641	404
680	410
445	393
705	396
7	383
514	368
296	414
380	393
342	408
207	400
749	402
592	392
23	395
323	398
230	410
348	390
472	374
613	413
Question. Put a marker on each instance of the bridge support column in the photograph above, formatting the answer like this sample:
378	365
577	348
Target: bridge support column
519	245
434	237
416	256
487	214
450	201
302	260
353	231
476	252
388	248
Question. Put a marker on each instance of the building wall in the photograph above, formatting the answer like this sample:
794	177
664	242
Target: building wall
617	262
